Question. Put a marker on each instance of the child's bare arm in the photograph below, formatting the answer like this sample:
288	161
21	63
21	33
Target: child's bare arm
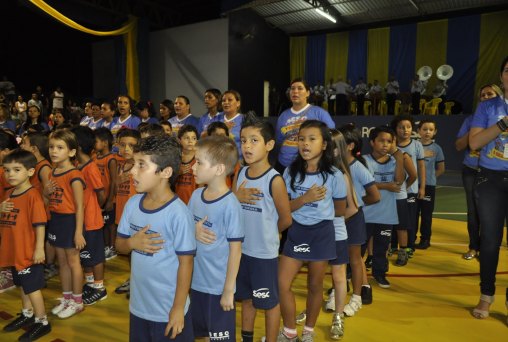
113	173
227	300
39	255
440	169
78	193
281	201
410	170
421	178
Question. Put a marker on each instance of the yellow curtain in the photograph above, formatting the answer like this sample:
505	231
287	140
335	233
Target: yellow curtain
130	32
378	50
297	52
431	44
336	56
493	48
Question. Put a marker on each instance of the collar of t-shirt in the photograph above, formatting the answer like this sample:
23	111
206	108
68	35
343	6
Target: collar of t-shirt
301	110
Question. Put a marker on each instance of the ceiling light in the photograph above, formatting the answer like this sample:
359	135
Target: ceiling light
326	15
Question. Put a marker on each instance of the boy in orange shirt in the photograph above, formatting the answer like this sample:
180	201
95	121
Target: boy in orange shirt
22	227
108	166
185	183
92	255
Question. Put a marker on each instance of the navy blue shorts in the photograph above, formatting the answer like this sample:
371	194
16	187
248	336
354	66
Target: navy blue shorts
109	216
61	229
412	211
402	212
208	318
311	243
356	231
30	279
142	330
342	253
93	253
258	280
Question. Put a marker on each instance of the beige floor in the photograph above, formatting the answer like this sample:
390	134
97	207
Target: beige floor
430	300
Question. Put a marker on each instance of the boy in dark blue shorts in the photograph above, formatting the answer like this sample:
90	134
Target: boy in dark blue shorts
158	229
22	224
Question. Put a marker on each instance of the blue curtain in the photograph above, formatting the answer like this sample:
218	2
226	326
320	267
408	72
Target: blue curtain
315	59
462	55
357	56
403	54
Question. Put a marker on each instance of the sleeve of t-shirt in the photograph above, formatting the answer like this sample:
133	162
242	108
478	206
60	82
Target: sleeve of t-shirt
365	177
439	154
287	180
480	118
39	217
95	179
339	186
124	230
466	126
182	225
327	119
233	220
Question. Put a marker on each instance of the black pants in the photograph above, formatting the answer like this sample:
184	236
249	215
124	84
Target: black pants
381	235
341	103
390	103
360	99
415	102
331	106
473	221
425	210
492	201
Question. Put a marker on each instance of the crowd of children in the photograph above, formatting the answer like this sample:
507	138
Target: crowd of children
199	208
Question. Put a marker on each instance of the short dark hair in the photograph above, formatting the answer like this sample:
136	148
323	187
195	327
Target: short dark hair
402	117
220	150
7	141
185	98
41	141
127	132
217	125
150	128
164	151
424	121
25	158
104	134
186	129
380	129
265	128
86	138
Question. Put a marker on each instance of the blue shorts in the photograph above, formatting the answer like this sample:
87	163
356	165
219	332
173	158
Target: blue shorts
142	330
61	229
342	253
311	243
93	252
109	216
30	279
356	231
208	318
257	279
402	212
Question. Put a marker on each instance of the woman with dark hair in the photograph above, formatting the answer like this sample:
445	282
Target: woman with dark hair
146	112
213	105
34	122
489	135
166	110
183	114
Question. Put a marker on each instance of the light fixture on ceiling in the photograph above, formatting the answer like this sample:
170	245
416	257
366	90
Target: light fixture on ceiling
326	15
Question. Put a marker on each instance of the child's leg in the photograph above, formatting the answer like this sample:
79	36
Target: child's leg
315	278
248	318
288	269
75	270
64	270
272	323
36	301
356	262
50	253
340	286
98	275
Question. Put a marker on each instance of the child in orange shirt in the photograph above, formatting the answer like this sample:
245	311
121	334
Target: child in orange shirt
127	139
185	183
65	192
108	166
220	128
22	222
92	256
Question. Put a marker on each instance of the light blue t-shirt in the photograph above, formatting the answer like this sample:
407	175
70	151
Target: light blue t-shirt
433	156
109	125
315	212
131	122
362	179
288	126
206	120
494	155
260	219
176	123
415	151
225	220
471	158
154	276
95	124
384	211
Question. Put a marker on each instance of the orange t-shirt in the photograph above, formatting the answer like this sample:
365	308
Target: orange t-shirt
103	163
93	213
185	183
61	200
35	180
4	185
17	243
125	189
229	179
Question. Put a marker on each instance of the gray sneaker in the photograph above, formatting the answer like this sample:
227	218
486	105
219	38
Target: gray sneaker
308	336
337	329
284	338
402	258
302	316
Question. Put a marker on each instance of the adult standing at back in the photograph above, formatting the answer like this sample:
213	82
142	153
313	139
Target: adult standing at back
58	98
212	99
489	134
392	90
183	114
341	92
290	120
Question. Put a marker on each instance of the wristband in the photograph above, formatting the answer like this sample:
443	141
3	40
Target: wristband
502	126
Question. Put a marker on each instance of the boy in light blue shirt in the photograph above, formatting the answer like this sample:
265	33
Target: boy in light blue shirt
216	210
158	229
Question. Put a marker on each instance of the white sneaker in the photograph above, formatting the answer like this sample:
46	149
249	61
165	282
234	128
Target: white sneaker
60	306
330	303
352	307
301	317
71	309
